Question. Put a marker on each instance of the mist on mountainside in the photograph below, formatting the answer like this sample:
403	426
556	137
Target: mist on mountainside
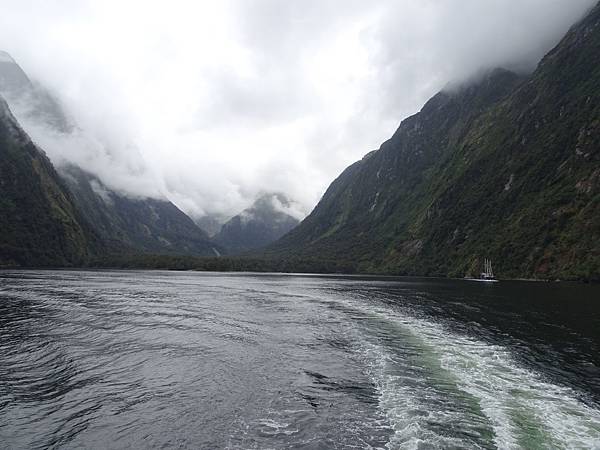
291	96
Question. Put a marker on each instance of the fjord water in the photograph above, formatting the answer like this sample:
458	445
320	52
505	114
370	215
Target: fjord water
144	359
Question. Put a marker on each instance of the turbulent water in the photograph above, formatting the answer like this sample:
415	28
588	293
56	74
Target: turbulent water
194	360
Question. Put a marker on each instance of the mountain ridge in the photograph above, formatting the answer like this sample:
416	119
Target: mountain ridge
262	223
129	224
509	174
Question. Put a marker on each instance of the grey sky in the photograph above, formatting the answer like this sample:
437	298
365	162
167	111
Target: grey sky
210	103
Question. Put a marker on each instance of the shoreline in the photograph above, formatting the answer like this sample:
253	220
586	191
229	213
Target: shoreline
290	273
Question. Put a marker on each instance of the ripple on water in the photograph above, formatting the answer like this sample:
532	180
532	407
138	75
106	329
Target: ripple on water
158	359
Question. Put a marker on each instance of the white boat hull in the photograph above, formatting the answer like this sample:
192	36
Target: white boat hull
481	280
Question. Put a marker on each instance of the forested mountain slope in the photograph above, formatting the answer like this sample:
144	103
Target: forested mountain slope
39	223
129	224
503	167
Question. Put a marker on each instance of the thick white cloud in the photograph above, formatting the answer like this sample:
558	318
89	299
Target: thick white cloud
211	103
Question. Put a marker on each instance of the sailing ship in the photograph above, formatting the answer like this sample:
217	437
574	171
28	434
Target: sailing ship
488	273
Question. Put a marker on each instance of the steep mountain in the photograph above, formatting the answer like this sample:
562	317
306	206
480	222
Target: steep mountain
39	223
31	100
143	224
261	224
123	222
503	167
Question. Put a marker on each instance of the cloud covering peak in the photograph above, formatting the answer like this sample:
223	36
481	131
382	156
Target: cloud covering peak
211	103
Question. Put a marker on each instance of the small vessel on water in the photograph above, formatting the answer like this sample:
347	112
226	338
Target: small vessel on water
488	273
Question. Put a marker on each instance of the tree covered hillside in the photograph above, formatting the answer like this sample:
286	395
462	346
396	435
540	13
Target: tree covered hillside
503	167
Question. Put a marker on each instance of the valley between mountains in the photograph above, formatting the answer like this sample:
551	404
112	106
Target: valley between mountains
503	166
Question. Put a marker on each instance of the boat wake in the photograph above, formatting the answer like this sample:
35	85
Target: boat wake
447	390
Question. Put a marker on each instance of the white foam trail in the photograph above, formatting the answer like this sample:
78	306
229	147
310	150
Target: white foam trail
522	408
405	411
504	390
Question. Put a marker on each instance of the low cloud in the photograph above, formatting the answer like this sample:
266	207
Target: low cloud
211	103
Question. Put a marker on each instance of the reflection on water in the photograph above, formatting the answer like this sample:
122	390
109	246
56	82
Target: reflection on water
100	359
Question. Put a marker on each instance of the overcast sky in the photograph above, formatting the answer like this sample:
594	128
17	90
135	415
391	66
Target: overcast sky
211	103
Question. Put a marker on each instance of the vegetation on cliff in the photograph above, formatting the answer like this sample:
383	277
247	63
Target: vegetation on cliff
504	167
39	224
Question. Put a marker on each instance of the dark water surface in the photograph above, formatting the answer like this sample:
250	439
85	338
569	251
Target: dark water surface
194	360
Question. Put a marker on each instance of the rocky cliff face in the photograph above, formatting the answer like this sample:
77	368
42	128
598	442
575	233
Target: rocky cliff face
506	168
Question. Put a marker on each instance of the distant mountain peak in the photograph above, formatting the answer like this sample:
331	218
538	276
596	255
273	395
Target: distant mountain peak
270	216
